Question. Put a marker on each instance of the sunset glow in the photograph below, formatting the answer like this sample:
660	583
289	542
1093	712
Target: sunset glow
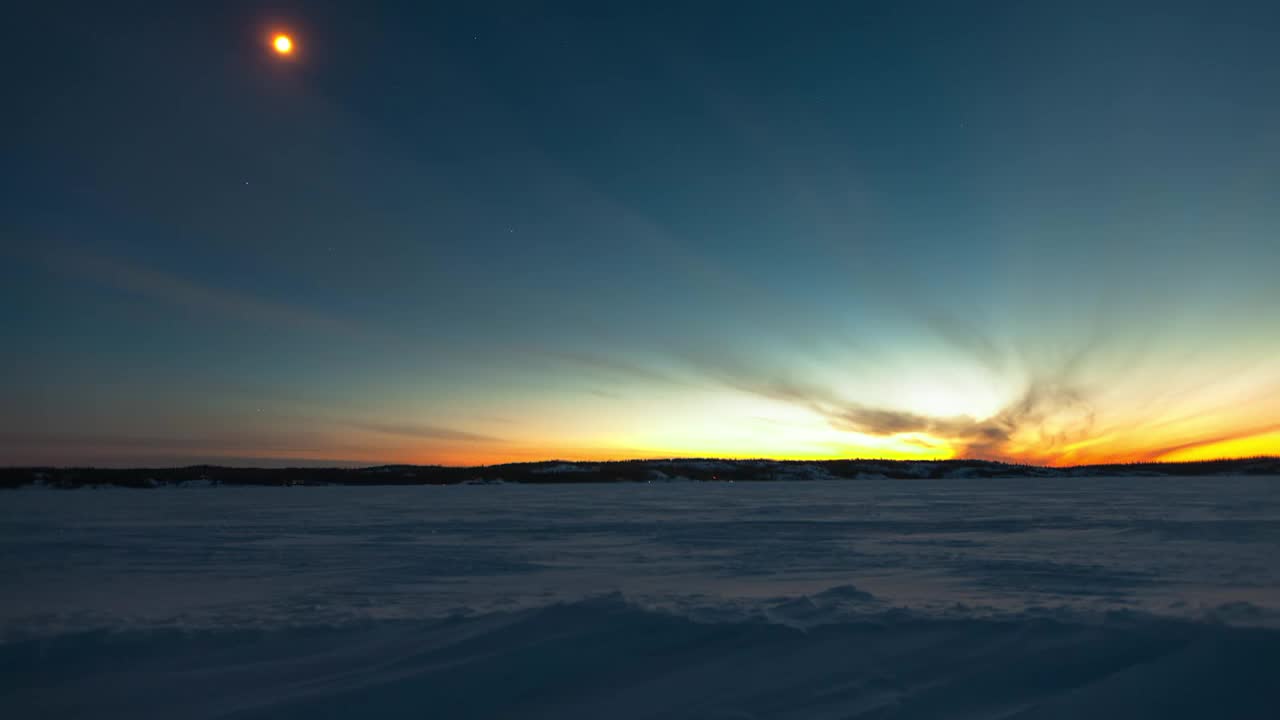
461	243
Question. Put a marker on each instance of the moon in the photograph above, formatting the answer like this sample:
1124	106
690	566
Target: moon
283	44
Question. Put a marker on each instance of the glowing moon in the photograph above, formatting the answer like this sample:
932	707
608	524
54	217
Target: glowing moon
283	44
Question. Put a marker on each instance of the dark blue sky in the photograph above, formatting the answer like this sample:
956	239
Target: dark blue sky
485	231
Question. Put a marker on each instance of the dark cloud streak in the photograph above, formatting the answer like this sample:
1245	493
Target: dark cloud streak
423	432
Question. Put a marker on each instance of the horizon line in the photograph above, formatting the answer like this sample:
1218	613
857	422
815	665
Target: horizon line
894	461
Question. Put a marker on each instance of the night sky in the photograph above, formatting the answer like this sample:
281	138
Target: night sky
481	232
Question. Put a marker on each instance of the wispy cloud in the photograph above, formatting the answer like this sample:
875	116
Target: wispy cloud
1163	451
288	447
171	288
423	432
1053	412
617	367
1038	426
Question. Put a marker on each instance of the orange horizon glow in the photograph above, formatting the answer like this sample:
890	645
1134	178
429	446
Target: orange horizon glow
1264	445
378	447
504	458
726	431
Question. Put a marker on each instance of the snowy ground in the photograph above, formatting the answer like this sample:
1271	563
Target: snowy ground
1154	597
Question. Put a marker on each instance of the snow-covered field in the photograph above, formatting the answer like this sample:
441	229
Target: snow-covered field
1147	597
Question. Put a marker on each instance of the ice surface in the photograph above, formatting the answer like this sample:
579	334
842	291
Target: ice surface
887	599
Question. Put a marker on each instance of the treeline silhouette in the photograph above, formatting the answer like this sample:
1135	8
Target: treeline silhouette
636	471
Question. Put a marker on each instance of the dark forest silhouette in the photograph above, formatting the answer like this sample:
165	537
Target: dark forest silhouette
673	470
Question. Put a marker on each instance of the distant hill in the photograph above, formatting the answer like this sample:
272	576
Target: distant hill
673	470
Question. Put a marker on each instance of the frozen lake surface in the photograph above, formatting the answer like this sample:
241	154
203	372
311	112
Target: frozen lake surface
1144	597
